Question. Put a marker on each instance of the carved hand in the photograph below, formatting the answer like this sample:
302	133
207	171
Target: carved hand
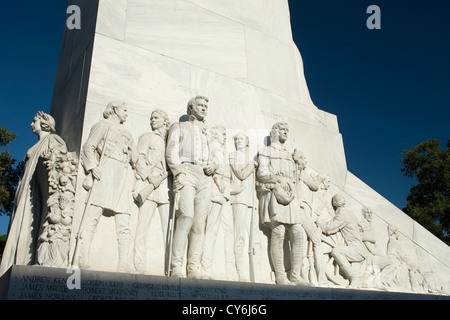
96	173
209	169
179	181
156	181
296	156
283	182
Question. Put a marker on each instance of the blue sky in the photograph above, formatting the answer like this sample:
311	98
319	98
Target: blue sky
389	88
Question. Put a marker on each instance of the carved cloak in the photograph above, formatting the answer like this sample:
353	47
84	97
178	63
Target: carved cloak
30	206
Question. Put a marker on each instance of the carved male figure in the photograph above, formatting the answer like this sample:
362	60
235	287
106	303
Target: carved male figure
306	187
188	157
355	250
369	236
152	188
279	206
322	209
242	198
220	197
109	156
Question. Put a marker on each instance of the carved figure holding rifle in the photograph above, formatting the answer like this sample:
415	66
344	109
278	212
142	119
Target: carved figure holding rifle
109	156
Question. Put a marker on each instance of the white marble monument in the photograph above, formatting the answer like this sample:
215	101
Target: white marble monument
218	64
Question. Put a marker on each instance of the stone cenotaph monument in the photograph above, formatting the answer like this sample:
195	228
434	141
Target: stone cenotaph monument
183	152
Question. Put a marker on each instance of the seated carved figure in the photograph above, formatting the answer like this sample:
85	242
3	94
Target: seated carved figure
355	250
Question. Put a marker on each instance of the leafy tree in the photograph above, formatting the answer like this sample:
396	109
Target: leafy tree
9	173
428	202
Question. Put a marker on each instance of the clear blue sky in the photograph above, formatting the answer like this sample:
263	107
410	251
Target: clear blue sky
390	88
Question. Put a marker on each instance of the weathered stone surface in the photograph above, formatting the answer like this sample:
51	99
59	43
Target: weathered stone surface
42	283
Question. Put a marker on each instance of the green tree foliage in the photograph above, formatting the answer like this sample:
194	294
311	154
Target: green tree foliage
9	173
428	202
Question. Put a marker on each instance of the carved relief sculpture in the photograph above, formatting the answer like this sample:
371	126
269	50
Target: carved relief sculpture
151	190
54	241
354	250
188	156
306	187
30	204
184	167
219	201
108	155
279	207
403	273
243	202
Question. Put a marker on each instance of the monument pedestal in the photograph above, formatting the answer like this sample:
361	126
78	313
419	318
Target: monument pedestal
43	283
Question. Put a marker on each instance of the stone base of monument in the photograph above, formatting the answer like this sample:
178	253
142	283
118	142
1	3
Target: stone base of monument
43	283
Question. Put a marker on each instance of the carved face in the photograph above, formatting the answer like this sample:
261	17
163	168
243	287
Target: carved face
337	201
199	109
368	215
36	125
121	112
240	142
301	159
283	132
221	136
327	183
157	121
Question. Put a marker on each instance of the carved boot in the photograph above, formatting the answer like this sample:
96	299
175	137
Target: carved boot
296	265
123	265
86	240
240	264
346	267
276	252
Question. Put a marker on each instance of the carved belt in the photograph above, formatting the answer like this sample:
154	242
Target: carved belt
196	163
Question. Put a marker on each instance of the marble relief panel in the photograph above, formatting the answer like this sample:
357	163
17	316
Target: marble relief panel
153	80
112	18
208	40
270	17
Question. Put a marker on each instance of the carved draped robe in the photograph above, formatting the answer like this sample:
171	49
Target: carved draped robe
30	206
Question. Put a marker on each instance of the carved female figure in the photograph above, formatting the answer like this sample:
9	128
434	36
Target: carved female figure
30	203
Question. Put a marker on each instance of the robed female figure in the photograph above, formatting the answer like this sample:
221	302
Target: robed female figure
30	202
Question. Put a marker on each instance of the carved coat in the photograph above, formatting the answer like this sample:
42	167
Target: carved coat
152	162
30	209
113	191
187	142
274	161
345	222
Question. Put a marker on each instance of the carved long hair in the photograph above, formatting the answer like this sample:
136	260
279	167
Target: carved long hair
47	122
164	115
